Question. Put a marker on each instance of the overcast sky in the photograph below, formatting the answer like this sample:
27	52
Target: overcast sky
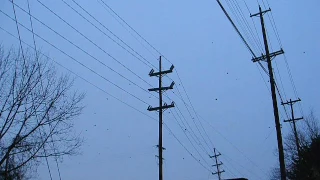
229	95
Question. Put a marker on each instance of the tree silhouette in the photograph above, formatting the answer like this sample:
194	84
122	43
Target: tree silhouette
307	165
37	108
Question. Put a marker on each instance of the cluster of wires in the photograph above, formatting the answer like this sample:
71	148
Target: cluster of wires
191	123
249	34
251	37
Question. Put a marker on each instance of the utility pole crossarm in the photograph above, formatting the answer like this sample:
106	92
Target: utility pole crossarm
220	172
165	106
214	156
264	57
291	120
162	88
217	164
260	13
152	73
291	102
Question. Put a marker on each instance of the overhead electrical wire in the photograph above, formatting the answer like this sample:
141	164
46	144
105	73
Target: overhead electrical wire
83	65
78	76
33	38
187	149
249	170
275	78
118	99
255	37
254	24
184	131
17	26
152	48
251	51
233	145
78	47
169	61
113	58
147	63
130	27
281	82
36	54
145	41
60	18
242	22
237	30
275	29
189	129
254	54
193	120
277	73
239	174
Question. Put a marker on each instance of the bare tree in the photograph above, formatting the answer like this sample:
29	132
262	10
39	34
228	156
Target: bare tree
37	109
309	135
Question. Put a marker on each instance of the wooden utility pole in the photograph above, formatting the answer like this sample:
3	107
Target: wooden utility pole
293	120
268	57
161	107
218	164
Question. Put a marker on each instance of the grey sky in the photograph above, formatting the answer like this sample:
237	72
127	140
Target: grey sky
225	87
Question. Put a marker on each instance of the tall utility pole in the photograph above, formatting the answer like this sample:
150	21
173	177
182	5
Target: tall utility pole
217	165
161	107
293	120
268	57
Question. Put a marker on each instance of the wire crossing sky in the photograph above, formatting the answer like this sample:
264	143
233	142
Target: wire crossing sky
222	99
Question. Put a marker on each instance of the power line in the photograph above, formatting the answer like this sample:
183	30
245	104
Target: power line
275	29
254	24
156	51
184	129
159	51
234	146
16	21
237	12
113	58
87	81
55	47
30	19
186	148
131	27
260	64
116	98
81	63
256	38
87	54
189	129
149	64
193	118
235	27
164	58
36	53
